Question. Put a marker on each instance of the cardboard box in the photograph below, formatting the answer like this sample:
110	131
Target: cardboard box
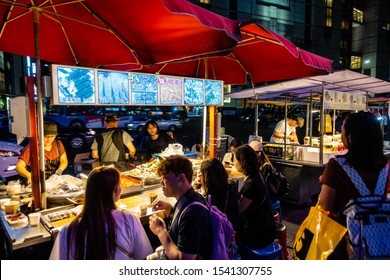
83	164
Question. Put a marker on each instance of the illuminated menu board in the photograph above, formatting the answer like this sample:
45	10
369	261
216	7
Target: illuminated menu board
344	100
80	86
193	91
171	89
144	89
213	94
113	87
74	85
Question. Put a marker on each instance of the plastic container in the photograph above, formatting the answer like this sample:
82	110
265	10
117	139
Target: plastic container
11	207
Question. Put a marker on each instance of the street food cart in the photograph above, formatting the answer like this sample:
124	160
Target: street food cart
139	187
345	91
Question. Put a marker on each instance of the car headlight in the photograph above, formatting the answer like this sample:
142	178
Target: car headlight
91	132
8	154
11	167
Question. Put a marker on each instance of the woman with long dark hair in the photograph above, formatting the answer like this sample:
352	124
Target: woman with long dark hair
223	193
362	135
228	158
101	232
257	225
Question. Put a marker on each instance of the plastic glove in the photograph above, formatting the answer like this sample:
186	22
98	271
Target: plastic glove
59	172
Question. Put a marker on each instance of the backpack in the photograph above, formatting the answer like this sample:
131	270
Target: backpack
277	184
368	217
222	232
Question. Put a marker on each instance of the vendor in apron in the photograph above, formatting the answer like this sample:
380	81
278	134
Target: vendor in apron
55	156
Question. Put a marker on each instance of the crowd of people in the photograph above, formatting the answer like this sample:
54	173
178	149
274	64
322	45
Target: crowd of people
101	231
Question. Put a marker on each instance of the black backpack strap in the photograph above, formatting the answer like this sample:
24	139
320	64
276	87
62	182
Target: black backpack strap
99	141
117	139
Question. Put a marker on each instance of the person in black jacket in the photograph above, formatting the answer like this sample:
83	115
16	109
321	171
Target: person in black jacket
157	142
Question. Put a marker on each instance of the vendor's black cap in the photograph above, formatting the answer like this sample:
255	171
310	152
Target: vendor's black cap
111	118
49	128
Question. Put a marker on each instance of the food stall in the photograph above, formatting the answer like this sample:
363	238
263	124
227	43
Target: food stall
342	91
137	89
65	193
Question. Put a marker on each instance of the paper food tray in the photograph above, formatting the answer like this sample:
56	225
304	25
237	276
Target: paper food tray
22	220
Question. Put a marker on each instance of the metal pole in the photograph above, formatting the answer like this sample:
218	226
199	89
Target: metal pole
285	129
321	157
256	111
204	132
34	161
311	119
36	14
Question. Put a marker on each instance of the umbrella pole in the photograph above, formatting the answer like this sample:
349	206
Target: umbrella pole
212	131
36	14
204	149
33	145
256	115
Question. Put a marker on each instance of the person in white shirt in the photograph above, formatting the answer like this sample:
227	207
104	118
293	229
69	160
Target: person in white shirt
288	132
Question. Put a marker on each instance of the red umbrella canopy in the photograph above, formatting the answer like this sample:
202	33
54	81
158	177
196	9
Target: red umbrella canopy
262	54
116	34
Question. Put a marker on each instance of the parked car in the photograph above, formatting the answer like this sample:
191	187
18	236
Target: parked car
164	123
9	155
75	137
262	119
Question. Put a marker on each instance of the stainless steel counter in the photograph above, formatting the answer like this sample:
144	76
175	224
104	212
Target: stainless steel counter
23	235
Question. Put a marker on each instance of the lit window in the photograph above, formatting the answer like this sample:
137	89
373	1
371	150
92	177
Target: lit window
204	1
357	15
344	24
329	13
343	62
328	22
356	62
344	44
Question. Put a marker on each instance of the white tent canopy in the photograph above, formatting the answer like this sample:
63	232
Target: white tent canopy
345	81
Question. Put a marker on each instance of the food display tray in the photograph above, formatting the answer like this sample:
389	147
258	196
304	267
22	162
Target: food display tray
147	180
55	226
136	188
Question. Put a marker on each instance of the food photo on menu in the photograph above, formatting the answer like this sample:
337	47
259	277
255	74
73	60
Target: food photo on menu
193	91
214	92
170	90
144	89
75	85
113	87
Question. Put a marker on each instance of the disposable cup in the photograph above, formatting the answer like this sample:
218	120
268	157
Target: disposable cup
152	196
3	201
144	209
34	218
11	207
